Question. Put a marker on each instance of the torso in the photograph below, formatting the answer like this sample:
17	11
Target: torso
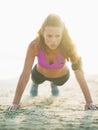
51	65
51	60
50	73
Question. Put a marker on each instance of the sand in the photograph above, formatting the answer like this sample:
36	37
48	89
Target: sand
44	112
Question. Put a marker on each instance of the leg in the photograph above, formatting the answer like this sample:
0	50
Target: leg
54	89
37	78
58	82
34	90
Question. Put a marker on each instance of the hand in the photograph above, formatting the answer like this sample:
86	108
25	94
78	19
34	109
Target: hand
91	106
13	107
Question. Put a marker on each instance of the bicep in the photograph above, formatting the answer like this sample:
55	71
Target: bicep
76	63
29	60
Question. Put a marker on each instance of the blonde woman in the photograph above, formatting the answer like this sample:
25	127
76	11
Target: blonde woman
53	47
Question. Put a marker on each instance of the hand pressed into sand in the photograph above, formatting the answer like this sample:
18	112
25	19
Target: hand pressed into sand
91	106
13	107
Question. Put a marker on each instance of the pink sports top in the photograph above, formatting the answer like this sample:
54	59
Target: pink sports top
59	63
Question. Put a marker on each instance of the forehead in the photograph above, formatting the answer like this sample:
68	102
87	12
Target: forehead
53	29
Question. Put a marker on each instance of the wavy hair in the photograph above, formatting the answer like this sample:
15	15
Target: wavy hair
66	46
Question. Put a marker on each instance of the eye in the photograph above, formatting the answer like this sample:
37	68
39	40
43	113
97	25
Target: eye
57	36
49	35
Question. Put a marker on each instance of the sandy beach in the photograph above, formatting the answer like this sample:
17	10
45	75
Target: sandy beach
44	112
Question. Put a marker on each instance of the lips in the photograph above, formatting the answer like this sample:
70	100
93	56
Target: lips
53	46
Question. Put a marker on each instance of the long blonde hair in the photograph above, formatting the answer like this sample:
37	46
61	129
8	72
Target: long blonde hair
66	46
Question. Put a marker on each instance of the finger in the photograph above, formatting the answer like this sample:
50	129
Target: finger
11	108
93	107
96	107
14	107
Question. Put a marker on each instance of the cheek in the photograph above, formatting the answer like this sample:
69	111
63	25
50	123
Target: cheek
46	40
59	40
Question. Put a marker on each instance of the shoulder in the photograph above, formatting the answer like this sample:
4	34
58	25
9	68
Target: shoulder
74	58
33	47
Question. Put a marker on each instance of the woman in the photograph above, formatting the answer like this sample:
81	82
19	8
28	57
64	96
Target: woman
53	47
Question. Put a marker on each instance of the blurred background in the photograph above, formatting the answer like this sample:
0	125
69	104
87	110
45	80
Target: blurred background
20	21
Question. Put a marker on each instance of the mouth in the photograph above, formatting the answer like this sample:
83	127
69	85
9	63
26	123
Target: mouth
53	46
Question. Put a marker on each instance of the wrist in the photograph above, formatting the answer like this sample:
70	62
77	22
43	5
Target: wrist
91	106
89	103
16	105
15	102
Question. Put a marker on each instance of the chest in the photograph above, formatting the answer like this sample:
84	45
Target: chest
51	61
51	58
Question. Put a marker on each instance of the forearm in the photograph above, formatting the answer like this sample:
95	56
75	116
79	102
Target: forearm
84	87
20	89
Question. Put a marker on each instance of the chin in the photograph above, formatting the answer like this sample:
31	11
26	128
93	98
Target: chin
53	47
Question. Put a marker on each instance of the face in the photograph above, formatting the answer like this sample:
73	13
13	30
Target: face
52	36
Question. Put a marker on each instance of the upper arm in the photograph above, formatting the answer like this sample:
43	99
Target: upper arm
74	58
29	59
76	62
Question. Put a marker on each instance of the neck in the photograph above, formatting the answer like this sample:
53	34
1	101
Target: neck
55	51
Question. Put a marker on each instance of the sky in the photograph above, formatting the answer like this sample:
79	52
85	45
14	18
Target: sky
21	19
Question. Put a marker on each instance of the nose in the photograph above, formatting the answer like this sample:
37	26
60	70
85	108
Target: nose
53	39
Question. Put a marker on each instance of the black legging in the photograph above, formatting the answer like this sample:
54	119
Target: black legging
39	78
